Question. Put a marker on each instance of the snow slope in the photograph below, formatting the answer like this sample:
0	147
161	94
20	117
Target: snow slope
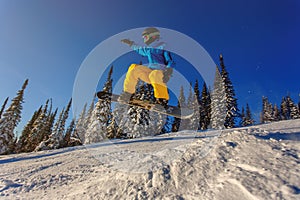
259	162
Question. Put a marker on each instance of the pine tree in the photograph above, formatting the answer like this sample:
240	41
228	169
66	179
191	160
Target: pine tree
69	132
267	112
56	139
218	102
285	112
177	124
294	112
140	117
79	131
276	113
198	98
120	117
23	144
249	121
38	132
3	107
192	103
101	115
243	118
9	122
112	129
205	108
97	128
231	101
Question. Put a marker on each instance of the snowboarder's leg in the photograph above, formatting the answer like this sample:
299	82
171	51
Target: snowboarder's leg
134	73
160	88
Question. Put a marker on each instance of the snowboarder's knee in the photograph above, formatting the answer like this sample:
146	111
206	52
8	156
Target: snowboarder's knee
131	67
156	75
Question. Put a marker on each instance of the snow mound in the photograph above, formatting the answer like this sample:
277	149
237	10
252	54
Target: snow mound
258	162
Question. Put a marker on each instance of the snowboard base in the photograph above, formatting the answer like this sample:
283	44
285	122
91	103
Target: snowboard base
182	113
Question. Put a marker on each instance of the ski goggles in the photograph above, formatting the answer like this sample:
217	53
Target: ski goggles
146	37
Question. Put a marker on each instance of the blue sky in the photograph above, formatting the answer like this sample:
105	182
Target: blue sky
46	41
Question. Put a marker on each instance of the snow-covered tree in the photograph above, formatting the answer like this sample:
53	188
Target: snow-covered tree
192	103
276	113
3	107
285	112
198	97
38	132
101	115
80	128
267	111
247	119
218	102
243	117
24	141
294	112
205	108
10	119
67	142
178	123
231	100
97	128
56	139
112	129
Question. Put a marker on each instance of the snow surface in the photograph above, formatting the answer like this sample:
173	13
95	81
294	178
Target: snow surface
258	162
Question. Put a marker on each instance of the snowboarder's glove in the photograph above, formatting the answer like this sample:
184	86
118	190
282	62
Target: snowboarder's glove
167	74
127	41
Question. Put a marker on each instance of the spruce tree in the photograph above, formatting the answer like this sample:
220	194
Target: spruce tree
198	98
101	115
56	139
9	121
218	102
140	117
243	118
267	111
192	103
38	132
285	112
294	112
79	131
23	144
249	121
276	113
178	124
205	108
112	129
69	132
3	107
97	129
231	100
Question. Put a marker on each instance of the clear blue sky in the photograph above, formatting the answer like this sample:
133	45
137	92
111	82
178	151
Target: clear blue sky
46	41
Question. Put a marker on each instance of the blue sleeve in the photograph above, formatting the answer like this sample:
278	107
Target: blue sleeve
168	59
140	50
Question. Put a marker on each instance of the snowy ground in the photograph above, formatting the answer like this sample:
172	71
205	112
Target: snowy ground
259	162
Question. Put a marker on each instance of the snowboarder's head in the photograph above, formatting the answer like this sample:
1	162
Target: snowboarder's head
150	35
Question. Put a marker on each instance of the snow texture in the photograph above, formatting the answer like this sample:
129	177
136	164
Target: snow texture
257	162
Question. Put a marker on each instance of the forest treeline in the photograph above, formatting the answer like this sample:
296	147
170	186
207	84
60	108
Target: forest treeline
102	119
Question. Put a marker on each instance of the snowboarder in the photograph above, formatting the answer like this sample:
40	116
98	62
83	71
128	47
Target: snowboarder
157	72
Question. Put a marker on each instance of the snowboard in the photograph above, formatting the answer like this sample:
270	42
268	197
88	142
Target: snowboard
182	113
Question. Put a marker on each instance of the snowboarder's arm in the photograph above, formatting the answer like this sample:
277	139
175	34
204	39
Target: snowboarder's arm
140	50
168	59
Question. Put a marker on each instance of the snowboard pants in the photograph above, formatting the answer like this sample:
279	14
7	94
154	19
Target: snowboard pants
153	77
